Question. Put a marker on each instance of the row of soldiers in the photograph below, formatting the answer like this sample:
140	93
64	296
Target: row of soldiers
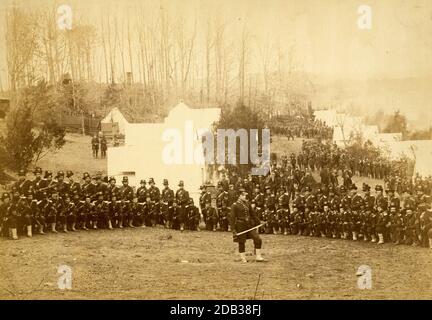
337	212
46	204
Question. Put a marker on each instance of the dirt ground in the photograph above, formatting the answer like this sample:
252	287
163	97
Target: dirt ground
155	263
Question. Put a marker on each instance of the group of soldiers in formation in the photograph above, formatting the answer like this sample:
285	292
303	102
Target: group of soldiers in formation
300	126
329	159
46	204
287	202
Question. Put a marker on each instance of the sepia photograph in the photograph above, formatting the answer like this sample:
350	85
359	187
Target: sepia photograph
215	150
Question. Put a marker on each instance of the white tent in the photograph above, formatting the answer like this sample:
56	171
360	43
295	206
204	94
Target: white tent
370	133
423	164
115	116
144	153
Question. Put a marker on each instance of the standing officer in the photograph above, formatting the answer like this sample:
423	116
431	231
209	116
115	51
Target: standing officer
167	199
182	199
242	219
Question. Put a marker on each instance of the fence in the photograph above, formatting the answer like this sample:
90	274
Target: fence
74	123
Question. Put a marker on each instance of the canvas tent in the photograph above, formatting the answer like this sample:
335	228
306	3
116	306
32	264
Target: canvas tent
146	144
423	163
114	119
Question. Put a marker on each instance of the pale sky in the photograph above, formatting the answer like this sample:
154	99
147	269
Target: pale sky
325	32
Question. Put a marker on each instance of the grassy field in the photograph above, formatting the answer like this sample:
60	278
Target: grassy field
155	263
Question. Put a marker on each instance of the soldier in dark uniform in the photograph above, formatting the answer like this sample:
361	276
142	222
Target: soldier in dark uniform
368	199
35	209
36	183
155	195
270	199
149	212
115	211
101	212
57	210
103	147
231	196
88	188
382	224
380	200
61	185
84	211
283	216
210	216
74	186
223	217
126	194
392	199
205	196
25	220
222	196
167	199
137	213
193	216
100	185
182	198
242	219
23	184
142	191
95	146
70	214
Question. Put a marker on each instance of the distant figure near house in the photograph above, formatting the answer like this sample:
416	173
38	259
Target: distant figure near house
95	146
103	146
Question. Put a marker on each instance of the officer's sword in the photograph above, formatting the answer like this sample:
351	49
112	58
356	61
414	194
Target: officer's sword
253	228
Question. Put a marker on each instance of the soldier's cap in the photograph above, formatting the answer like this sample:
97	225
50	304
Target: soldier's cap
257	186
366	187
165	182
143	181
390	190
151	180
86	175
99	193
69	174
181	183
125	179
353	187
21	173
242	190
60	174
88	195
191	200
37	170
307	188
48	174
112	179
378	187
